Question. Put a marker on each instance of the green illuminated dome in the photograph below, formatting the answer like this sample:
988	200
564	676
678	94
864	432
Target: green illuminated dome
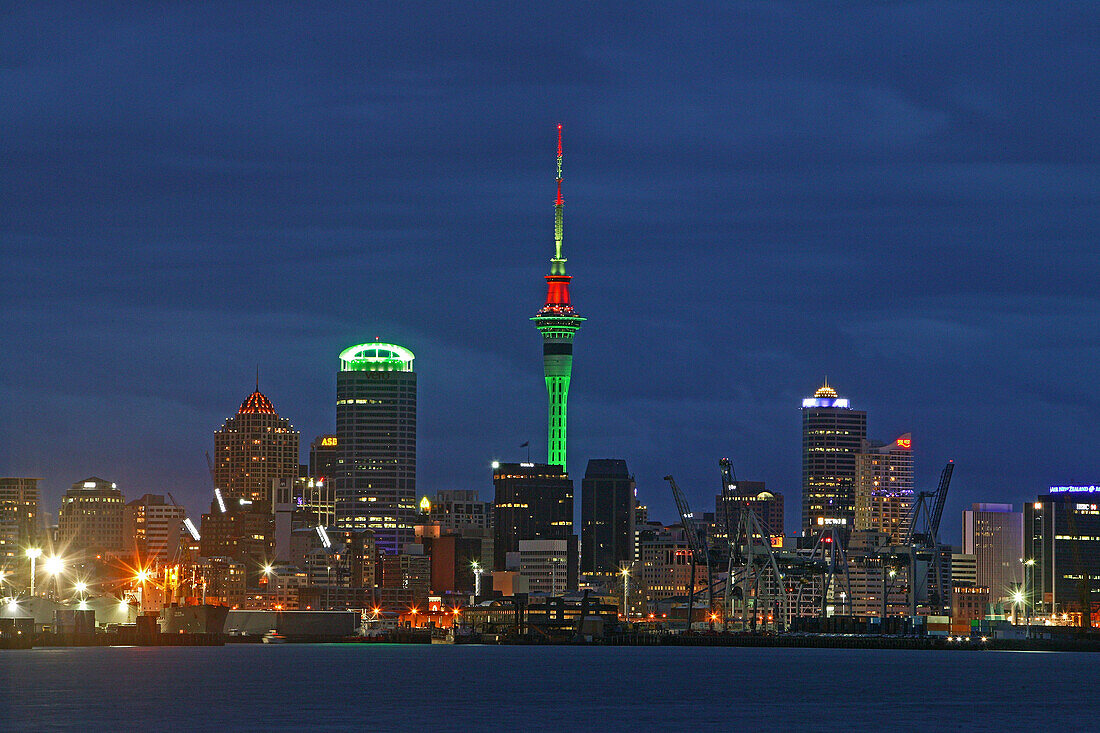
376	357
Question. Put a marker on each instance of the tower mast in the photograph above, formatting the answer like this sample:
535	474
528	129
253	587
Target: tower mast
558	323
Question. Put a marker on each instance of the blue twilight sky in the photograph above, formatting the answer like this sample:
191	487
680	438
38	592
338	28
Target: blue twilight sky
902	196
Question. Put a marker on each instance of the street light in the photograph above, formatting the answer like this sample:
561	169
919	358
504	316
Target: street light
1029	563
477	578
33	553
625	572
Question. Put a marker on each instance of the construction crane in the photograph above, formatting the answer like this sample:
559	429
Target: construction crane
700	552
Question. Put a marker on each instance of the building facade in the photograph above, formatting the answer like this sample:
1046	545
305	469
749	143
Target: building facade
324	456
884	487
994	535
20	521
608	506
91	517
375	476
832	435
1063	539
550	566
152	529
253	448
457	510
532	502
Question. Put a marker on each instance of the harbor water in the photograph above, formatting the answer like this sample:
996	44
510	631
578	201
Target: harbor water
466	687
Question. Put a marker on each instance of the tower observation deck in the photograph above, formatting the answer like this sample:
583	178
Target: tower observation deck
558	323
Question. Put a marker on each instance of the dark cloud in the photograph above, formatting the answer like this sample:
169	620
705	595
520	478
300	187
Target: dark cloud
901	195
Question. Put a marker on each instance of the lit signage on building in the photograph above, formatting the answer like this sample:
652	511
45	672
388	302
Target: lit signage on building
841	402
905	443
329	441
1075	489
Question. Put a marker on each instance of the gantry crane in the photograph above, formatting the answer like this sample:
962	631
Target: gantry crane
700	551
750	550
922	539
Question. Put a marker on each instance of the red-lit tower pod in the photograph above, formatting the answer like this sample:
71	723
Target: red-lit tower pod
558	322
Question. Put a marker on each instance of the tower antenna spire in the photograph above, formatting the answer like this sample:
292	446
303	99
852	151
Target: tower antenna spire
557	264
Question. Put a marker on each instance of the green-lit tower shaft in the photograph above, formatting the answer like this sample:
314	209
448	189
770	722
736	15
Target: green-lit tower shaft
558	322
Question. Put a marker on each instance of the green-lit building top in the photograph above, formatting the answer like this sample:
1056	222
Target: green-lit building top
376	357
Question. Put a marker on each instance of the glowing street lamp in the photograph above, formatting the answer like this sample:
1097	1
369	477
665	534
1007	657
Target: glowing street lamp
477	578
625	572
1028	564
33	553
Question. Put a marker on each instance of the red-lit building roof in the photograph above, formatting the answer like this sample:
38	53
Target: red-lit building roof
256	404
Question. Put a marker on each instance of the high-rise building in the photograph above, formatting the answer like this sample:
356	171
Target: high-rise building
20	519
375	476
558	323
90	518
1062	537
884	487
832	434
532	502
608	508
253	448
323	457
152	529
994	534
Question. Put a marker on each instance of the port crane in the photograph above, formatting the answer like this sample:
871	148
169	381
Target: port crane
698	546
750	552
922	542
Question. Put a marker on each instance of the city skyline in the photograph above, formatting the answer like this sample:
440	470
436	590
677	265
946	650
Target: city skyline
771	241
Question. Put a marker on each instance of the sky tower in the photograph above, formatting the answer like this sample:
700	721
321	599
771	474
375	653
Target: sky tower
558	322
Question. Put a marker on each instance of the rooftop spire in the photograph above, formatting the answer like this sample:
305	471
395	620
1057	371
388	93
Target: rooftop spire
557	264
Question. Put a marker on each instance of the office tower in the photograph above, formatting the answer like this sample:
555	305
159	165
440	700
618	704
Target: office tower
152	529
90	518
253	448
608	507
460	509
993	534
558	323
20	518
1063	538
832	433
375	476
532	502
550	566
767	505
323	457
884	487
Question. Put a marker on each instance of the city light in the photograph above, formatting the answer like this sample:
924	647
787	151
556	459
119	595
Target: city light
53	565
141	576
192	529
80	586
268	569
34	552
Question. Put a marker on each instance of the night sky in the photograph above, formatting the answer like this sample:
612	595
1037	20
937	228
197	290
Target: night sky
902	196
